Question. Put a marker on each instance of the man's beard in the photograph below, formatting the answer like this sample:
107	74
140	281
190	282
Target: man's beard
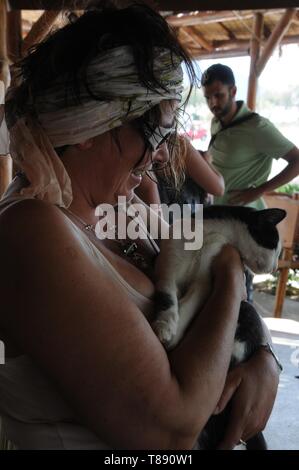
226	110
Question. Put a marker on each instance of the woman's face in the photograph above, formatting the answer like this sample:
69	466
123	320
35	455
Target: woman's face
120	168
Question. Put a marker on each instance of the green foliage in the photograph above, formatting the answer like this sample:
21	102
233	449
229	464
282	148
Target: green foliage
289	97
289	188
269	285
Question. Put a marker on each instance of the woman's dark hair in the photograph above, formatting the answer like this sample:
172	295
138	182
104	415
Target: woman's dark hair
219	72
66	54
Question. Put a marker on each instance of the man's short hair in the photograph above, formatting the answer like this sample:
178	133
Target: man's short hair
222	73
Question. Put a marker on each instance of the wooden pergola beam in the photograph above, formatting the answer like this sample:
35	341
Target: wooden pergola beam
14	35
255	47
197	18
4	68
243	49
39	29
5	160
198	38
230	44
185	38
200	54
162	5
231	35
3	43
275	38
267	31
291	39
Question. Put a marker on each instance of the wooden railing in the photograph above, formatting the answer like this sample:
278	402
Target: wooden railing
289	233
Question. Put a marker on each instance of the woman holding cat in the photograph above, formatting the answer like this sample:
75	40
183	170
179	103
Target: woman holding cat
83	366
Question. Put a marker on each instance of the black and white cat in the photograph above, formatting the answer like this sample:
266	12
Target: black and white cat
183	277
184	283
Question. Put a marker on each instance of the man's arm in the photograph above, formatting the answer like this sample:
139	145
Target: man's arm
287	174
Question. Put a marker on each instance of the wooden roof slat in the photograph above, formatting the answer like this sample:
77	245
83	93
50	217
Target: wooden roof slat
186	39
4	69
39	29
162	5
250	28
211	31
231	35
223	16
198	38
276	36
267	31
230	44
14	35
242	50
204	55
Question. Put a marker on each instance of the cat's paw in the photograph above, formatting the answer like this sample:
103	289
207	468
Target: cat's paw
166	327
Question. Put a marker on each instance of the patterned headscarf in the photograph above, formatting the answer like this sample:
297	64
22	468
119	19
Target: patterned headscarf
62	122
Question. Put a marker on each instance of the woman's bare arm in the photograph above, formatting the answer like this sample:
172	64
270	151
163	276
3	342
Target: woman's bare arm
148	190
203	173
84	331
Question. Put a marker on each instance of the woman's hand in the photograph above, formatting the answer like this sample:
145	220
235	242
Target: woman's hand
252	388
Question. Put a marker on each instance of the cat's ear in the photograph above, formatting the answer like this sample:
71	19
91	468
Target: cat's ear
274	216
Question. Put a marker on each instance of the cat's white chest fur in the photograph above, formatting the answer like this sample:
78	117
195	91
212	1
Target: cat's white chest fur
184	277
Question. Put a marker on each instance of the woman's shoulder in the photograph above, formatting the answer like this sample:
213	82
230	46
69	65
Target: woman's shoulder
27	217
31	232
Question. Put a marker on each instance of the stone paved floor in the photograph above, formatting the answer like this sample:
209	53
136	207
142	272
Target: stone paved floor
282	431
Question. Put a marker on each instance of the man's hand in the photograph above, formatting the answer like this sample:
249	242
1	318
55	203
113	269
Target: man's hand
252	388
242	197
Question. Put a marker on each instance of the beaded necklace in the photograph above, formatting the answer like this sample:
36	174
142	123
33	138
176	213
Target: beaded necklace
128	248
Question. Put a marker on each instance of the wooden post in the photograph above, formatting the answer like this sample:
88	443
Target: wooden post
198	38
276	35
14	35
255	47
5	172
5	160
39	29
4	68
282	283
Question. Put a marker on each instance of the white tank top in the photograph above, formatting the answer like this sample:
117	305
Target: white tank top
34	414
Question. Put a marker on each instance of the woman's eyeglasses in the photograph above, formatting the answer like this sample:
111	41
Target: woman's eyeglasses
154	139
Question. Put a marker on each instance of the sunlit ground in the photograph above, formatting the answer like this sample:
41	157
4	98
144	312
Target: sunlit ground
282	431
